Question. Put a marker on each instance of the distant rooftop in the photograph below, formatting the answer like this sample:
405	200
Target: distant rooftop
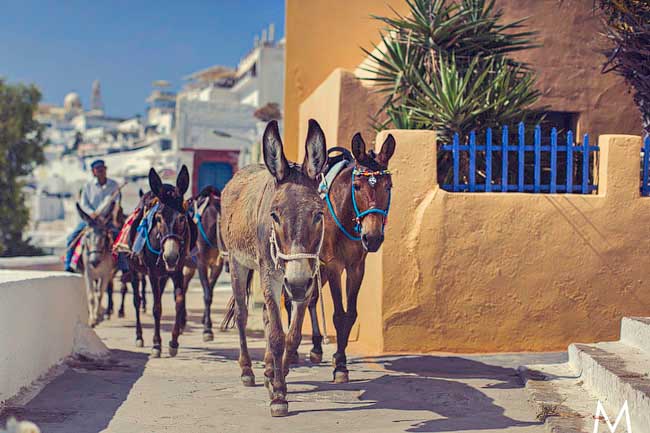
213	73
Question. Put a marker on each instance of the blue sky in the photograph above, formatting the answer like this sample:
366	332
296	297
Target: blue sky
62	46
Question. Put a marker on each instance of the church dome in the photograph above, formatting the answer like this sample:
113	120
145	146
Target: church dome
72	102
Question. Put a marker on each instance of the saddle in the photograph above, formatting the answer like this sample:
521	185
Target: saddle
337	159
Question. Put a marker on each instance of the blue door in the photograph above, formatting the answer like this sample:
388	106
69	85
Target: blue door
216	174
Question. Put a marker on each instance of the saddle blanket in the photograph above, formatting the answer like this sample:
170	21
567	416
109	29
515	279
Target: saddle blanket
121	244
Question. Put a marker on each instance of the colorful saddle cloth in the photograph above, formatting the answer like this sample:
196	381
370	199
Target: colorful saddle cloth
78	250
121	244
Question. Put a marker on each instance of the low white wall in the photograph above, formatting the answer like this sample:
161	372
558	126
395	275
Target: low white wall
43	318
42	263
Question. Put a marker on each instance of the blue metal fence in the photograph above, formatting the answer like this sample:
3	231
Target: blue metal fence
527	180
645	180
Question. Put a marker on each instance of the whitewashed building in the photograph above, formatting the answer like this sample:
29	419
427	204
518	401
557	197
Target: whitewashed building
218	122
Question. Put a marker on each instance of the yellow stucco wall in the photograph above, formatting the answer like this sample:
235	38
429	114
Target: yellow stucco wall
509	272
323	35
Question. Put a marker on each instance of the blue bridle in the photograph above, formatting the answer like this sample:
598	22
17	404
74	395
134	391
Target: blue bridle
358	215
204	235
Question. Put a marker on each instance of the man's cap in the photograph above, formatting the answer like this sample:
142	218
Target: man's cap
97	163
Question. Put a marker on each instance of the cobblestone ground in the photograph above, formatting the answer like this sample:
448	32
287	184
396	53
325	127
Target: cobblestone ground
200	391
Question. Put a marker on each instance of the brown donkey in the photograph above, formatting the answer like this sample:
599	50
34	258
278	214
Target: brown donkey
273	223
358	200
169	240
209	260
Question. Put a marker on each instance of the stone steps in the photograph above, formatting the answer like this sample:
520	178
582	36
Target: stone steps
609	372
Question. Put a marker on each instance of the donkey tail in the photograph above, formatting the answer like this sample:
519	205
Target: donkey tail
228	321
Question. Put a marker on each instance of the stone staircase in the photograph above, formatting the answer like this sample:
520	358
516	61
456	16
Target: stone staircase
566	395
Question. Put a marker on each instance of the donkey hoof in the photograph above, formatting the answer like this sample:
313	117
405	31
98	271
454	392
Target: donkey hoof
279	408
120	314
173	351
248	380
208	336
315	358
155	352
341	377
139	342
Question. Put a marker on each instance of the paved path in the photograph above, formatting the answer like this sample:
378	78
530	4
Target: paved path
200	391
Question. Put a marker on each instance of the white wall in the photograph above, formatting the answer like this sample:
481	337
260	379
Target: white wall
43	319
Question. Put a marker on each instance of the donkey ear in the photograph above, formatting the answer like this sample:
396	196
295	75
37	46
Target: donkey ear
183	180
155	183
274	158
358	147
387	150
84	216
140	193
315	151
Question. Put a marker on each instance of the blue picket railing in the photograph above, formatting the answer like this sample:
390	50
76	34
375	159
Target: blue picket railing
645	176
526	180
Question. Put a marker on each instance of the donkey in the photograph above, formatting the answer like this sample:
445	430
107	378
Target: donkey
168	243
118	218
358	200
209	258
273	223
97	259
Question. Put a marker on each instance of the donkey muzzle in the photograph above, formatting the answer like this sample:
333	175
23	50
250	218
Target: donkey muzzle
372	242
298	291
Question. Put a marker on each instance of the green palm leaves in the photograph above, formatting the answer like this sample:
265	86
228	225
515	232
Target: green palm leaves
446	66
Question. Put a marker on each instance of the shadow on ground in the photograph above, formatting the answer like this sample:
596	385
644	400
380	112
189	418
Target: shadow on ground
437	384
95	389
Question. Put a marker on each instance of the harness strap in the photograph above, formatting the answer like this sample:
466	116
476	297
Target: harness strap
204	235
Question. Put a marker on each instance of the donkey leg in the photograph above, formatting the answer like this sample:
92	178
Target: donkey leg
109	295
294	336
293	357
240	279
276	342
207	302
287	305
90	297
123	291
139	342
143	282
354	276
316	353
339	360
157	285
214	272
179	296
101	288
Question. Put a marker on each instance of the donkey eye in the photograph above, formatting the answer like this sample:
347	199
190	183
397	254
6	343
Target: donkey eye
275	217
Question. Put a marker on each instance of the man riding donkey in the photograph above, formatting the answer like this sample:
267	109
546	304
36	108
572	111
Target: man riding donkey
89	246
96	199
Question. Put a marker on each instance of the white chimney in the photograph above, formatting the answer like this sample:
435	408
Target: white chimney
263	36
271	32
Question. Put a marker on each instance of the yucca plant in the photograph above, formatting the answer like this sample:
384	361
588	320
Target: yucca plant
461	40
446	66
628	28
